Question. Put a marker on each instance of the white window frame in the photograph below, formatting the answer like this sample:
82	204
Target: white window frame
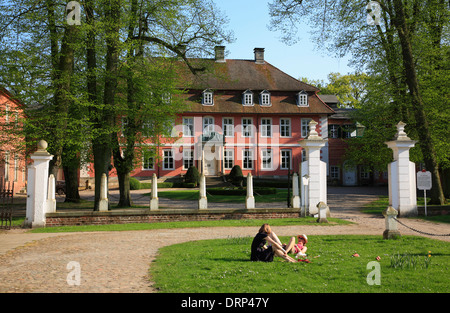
168	160
247	98
208	97
7	158
266	127
188	126
265	98
247	128
266	159
247	158
305	127
16	167
228	159
302	99
228	129
283	164
146	156
208	128
333	131
286	126
335	172
188	158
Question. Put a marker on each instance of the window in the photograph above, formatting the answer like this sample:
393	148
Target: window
247	127
285	127
302	100
147	128
266	127
266	156
147	161
188	158
166	98
333	131
6	166
265	98
208	125
168	163
305	126
7	114
286	159
188	126
365	173
247	159
303	155
16	167
208	98
228	127
334	172
247	97
228	157
124	125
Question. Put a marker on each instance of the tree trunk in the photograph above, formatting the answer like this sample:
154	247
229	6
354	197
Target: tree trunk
71	179
124	189
425	142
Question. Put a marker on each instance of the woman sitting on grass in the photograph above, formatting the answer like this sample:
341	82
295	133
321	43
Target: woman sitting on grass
261	252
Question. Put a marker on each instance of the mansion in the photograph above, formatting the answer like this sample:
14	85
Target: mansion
249	113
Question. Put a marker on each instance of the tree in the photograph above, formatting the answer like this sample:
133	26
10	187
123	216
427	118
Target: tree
349	89
394	48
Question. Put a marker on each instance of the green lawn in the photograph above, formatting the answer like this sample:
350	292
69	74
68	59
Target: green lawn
223	266
191	224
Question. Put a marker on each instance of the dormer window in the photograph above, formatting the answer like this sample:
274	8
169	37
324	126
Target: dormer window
265	98
302	100
208	97
247	97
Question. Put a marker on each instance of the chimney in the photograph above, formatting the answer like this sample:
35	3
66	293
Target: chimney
259	55
220	54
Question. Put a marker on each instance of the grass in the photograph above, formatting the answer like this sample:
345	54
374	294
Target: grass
377	207
190	224
223	266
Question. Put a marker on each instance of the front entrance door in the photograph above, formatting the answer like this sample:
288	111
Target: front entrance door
210	167
349	174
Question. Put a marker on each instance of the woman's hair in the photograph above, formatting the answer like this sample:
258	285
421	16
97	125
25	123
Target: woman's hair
265	228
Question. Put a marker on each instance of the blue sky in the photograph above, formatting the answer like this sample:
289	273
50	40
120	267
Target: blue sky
249	19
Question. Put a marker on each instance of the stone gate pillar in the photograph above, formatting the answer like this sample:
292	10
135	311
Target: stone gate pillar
316	189
402	177
37	188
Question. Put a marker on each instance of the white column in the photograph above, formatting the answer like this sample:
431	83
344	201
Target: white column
295	201
37	186
316	191
154	202
250	199
103	204
202	201
402	176
51	200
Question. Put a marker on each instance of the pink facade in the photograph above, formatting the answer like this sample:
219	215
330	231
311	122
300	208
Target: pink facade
241	112
12	145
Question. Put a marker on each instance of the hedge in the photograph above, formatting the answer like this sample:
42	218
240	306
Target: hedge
240	191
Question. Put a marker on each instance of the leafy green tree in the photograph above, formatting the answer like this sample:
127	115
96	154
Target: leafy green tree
408	47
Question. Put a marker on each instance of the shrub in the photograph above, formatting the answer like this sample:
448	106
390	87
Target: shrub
236	176
134	184
192	176
240	191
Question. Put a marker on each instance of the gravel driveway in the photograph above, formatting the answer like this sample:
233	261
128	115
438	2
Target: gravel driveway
119	261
